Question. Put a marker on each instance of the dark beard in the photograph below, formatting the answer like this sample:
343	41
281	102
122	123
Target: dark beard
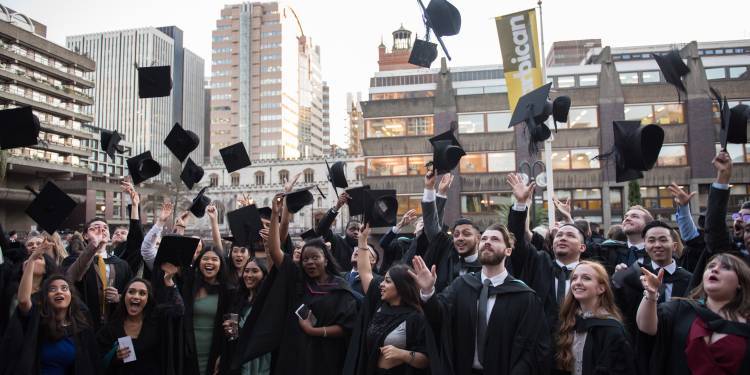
350	241
489	258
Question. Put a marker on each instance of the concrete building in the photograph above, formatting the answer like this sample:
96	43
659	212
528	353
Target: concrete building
265	178
326	117
408	106
571	52
144	122
52	81
356	123
265	82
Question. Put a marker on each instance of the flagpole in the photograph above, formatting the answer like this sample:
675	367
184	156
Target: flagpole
548	143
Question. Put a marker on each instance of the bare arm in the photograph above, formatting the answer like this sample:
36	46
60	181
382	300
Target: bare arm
274	243
27	281
213	215
285	215
646	318
363	259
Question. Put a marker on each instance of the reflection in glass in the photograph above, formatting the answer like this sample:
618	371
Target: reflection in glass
386	166
644	113
501	161
651	76
471	123
498	122
668	114
473	163
672	155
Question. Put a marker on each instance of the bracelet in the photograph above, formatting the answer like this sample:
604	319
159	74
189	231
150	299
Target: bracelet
325	333
647	298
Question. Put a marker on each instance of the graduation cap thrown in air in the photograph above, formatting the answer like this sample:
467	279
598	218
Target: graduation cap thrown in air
381	207
245	225
357	202
177	250
309	235
337	175
235	157
142	167
181	142
534	108
109	142
265	212
154	81
560	109
191	174
636	149
200	202
733	121
50	207
443	19
298	199
20	128
446	152
673	68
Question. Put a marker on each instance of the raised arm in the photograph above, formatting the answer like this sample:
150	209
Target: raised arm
274	243
148	247
324	225
429	209
132	253
647	318
441	198
685	223
517	222
27	280
96	243
563	207
363	258
718	238
285	215
213	215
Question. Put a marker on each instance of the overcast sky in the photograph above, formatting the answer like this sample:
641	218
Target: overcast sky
349	31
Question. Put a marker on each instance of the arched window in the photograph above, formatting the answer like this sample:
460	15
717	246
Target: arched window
320	202
235	179
283	176
309	175
260	178
266	202
220	212
214	178
359	172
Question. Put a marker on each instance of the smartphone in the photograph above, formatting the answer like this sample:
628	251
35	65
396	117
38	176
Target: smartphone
303	312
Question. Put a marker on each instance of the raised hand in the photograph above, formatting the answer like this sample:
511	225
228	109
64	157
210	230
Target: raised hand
245	201
211	211
651	283
166	211
408	218
423	276
277	203
364	234
344	198
723	164
445	183
521	191
563	207
429	180
289	185
680	196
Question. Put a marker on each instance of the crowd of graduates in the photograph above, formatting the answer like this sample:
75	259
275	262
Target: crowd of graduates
452	298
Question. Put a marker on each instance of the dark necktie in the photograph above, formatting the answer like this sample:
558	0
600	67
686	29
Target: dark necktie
562	276
634	253
482	318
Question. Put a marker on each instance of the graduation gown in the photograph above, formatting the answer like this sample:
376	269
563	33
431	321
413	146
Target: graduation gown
518	339
364	349
441	252
276	327
607	349
22	345
675	320
152	347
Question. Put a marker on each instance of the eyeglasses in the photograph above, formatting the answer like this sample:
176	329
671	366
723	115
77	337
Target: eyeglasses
737	216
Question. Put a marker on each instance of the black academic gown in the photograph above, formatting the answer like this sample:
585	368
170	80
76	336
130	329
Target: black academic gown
443	254
363	353
518	339
607	349
20	352
675	319
152	347
273	327
130	250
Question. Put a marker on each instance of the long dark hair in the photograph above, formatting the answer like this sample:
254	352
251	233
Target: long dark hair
243	293
332	267
51	328
221	276
405	285
121	312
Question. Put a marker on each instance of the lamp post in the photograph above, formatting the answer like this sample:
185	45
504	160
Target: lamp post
528	173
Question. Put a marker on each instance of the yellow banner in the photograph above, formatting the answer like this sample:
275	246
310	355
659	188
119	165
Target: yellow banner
519	46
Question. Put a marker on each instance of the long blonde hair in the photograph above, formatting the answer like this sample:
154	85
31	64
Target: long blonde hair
58	250
570	308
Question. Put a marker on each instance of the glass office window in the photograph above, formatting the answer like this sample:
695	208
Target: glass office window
737	71
629	78
473	163
668	114
471	123
581	158
588	80
672	155
651	76
501	161
387	127
716	73
641	112
566	81
582	118
498	122
416	165
395	166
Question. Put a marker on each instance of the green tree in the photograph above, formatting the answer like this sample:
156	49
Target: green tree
634	193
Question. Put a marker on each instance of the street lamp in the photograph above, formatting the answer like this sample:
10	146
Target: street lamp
528	174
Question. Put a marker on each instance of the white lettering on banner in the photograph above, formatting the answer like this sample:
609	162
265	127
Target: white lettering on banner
522	58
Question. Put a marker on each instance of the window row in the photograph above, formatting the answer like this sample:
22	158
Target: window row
633	78
222	50
724	72
661	114
478	75
582	80
402	80
220	62
399	126
221	38
416	165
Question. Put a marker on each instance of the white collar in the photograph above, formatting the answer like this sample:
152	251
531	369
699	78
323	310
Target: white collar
640	246
497	279
471	258
671	268
354	269
569	266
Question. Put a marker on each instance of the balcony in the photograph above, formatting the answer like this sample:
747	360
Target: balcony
65	130
66	77
28	165
44	107
47	88
63	149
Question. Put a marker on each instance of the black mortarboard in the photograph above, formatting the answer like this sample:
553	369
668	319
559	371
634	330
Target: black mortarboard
235	157
446	152
636	148
673	68
191	174
534	108
109	142
560	109
297	199
265	212
20	128
337	174
309	235
733	121
245	225
154	81
181	141
142	167
381	207
357	202
200	202
177	250
50	207
443	19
